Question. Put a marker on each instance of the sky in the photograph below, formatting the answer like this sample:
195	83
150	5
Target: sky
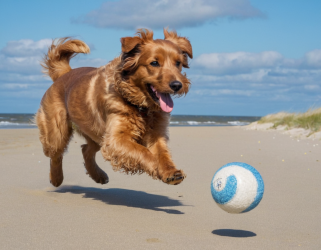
251	57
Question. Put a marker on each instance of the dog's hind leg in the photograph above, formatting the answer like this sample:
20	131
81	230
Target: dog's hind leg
89	151
55	132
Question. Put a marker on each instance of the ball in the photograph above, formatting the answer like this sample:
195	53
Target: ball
237	187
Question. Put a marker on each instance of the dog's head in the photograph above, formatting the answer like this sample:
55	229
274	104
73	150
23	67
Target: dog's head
151	70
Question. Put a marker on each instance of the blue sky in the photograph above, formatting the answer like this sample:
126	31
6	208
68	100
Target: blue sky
250	57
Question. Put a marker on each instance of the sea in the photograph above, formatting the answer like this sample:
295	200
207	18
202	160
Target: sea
18	121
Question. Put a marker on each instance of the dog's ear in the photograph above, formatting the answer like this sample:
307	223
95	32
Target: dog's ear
130	51
182	42
129	43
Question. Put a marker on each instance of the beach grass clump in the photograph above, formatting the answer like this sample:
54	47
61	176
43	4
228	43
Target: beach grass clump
310	120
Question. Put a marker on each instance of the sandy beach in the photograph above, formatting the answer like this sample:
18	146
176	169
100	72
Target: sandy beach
137	212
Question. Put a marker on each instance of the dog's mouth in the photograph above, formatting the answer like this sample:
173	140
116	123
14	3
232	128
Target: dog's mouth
164	100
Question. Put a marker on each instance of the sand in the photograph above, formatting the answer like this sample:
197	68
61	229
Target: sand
137	212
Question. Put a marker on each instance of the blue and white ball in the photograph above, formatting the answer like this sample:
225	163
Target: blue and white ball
237	187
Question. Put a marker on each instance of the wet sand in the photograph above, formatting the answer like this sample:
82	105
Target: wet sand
137	212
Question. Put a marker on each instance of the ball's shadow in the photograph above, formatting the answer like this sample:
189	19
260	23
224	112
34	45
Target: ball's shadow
233	233
125	197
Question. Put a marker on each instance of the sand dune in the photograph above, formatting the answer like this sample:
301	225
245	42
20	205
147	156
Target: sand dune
296	133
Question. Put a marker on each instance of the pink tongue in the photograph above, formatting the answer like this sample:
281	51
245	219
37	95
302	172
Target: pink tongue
165	101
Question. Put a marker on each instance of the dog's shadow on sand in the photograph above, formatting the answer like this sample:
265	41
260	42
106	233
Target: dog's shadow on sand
125	197
233	233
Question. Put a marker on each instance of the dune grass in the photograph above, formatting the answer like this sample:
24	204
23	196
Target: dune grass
310	120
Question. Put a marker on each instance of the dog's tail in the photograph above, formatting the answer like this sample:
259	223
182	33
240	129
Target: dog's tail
56	62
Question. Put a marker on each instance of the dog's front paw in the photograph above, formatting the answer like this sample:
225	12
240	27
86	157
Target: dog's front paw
56	179
173	176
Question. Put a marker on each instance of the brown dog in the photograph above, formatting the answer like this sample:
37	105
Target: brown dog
121	108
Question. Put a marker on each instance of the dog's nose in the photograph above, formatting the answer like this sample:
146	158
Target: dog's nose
176	85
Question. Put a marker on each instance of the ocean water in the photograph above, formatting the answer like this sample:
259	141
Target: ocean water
199	120
11	121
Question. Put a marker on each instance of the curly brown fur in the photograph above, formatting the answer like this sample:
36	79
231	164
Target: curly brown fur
121	109
56	62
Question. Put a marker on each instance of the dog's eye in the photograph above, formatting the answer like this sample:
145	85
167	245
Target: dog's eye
154	64
178	63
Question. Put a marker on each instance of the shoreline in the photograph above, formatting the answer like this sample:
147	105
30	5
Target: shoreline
189	126
25	120
170	125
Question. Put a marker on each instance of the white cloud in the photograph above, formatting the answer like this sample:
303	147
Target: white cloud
17	86
26	47
265	76
14	86
238	62
244	62
128	14
82	61
20	70
20	60
312	87
313	58
228	92
22	65
24	57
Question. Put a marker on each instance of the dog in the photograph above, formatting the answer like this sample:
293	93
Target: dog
122	108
